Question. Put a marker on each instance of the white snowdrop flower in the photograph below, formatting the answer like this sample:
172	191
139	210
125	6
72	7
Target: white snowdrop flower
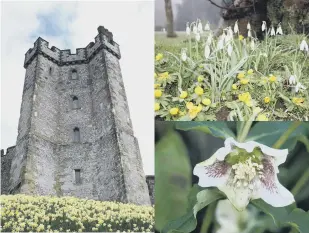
198	37
292	80
207	51
195	29
188	31
264	26
227	167
248	26
249	33
303	46
236	28
184	54
252	45
209	39
200	27
207	27
272	32
299	86
229	49
220	44
163	30
279	30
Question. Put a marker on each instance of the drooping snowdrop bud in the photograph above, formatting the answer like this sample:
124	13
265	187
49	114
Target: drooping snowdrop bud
197	36
279	30
209	39
304	46
200	27
292	80
236	29
195	29
299	86
264	26
252	45
220	44
249	33
184	54
207	28
229	49
188	31
207	51
272	32
248	26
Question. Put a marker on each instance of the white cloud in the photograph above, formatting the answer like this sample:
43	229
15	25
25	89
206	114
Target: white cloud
131	23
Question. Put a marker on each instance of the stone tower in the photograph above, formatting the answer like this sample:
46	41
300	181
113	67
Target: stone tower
75	135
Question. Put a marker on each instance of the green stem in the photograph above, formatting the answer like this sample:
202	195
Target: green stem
301	182
244	132
286	135
208	217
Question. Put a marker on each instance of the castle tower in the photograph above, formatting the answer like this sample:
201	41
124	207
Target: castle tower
75	135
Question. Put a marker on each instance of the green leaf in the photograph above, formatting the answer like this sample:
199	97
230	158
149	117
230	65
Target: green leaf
279	214
299	219
173	179
216	129
205	197
268	133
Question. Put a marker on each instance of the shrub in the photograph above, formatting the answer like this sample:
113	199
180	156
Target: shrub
22	213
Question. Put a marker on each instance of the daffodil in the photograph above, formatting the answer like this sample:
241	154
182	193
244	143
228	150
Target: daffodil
157	106
158	93
246	98
241	75
159	56
244	81
183	94
266	100
244	172
206	101
193	110
174	111
198	91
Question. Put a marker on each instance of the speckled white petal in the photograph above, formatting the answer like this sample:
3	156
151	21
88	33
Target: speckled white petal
270	190
238	196
212	172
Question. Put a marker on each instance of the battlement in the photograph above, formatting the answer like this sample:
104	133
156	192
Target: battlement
8	150
104	40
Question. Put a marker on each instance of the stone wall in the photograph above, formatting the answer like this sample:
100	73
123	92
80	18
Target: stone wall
6	161
151	187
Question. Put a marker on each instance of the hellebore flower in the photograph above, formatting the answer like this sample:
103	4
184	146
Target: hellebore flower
244	172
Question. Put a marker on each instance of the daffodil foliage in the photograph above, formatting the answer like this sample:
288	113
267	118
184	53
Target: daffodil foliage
206	77
256	168
22	213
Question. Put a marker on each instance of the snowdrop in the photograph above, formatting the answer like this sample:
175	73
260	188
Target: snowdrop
252	45
236	28
248	26
195	29
207	28
272	32
220	44
279	30
249	33
188	31
245	171
200	27
264	26
229	49
303	46
209	39
197	36
184	54
292	80
299	86
207	51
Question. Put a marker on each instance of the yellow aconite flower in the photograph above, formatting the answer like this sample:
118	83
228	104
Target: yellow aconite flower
200	78
159	56
250	71
246	98
298	101
241	37
234	86
157	106
199	91
174	111
266	100
163	75
158	93
193	110
241	75
156	85
206	101
262	117
272	78
244	81
183	94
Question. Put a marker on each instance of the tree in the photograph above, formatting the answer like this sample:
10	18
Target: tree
169	19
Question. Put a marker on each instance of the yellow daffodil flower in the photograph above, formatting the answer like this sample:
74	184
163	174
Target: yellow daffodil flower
174	111
158	93
266	100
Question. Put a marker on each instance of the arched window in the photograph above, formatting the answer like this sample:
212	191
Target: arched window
50	70
74	74
75	103
77	176
76	135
